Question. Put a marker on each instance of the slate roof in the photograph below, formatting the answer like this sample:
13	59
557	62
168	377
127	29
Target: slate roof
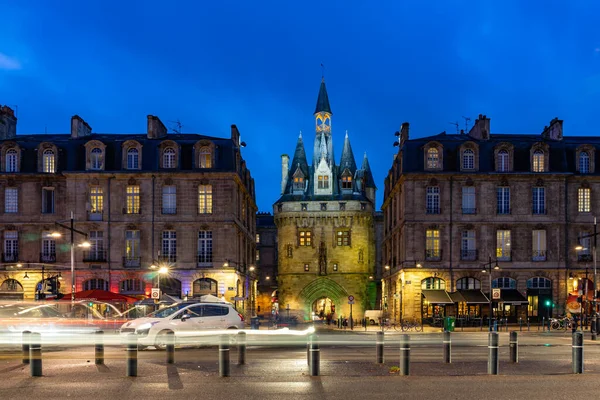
323	100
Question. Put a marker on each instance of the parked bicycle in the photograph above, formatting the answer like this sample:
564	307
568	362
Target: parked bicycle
409	325
561	323
389	323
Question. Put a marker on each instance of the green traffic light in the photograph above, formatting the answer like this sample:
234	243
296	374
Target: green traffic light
548	303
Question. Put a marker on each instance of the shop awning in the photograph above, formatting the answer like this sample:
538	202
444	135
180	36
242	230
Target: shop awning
469	297
512	296
437	297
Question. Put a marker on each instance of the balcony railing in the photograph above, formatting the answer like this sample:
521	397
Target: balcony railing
503	210
10	257
585	258
134	210
467	210
94	255
539	255
468	255
95	216
538	211
433	210
131	262
47	257
504	257
169	258
169	210
202	263
433	255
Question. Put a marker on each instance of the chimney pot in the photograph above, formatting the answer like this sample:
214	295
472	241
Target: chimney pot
155	129
79	128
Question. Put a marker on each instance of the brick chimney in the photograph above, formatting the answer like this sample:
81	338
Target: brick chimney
156	129
79	128
285	165
554	131
403	134
235	135
481	128
8	123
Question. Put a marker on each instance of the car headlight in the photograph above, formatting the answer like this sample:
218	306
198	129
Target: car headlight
146	326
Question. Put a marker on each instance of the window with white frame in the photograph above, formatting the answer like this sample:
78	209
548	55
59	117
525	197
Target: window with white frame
11	200
539	282
96	251
133	158
468	246
133	199
132	244
131	286
468	159
433	200
205	199
586	246
96	200
433	158
169	158
583	199
205	246
169	245
503	244
48	161
47	200
503	200
538	240
539	200
538	161
11	161
502	164
433	283
48	247
205	157
11	246
468	200
323	182
504	283
468	283
95	283
298	182
96	159
432	244
584	162
169	199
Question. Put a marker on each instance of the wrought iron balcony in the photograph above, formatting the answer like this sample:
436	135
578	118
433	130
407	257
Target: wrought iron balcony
504	257
132	210
433	255
585	257
201	261
467	210
10	257
169	258
538	211
169	210
95	216
433	210
503	210
48	257
94	255
539	255
468	255
131	262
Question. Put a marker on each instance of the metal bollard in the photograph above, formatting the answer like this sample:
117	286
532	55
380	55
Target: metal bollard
224	356
308	344
379	346
593	328
315	358
543	324
578	353
241	348
514	347
99	348
131	355
25	339
405	355
520	324
170	347
35	354
493	353
447	348
528	325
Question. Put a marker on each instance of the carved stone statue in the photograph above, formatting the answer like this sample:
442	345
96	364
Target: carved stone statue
322	259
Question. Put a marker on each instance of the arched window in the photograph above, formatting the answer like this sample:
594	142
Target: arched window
96	159
538	161
539	283
95	283
11	160
584	162
11	285
205	158
133	159
204	286
433	283
171	286
504	283
132	286
169	158
433	158
49	165
468	283
502	164
468	159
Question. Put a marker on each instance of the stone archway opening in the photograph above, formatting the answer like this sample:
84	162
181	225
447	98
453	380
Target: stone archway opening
323	308
322	288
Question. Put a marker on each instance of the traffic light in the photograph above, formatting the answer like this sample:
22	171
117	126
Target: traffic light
548	303
90	304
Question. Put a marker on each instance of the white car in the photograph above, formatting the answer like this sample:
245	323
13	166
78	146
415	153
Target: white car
185	320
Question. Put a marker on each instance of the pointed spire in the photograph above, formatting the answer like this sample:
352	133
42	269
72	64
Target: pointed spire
323	100
323	146
370	182
300	136
347	160
299	160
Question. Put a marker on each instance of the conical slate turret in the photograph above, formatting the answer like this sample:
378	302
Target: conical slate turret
347	161
369	181
323	100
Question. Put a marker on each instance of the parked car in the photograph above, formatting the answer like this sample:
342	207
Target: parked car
184	320
38	317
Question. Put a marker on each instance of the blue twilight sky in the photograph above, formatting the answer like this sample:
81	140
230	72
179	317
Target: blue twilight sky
257	64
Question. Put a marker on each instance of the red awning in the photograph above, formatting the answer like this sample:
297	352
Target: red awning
101	295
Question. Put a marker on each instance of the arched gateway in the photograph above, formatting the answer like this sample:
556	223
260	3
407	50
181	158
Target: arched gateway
319	289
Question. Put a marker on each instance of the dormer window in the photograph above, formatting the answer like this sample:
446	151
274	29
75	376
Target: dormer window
169	158
96	159
468	159
584	162
502	164
347	182
133	159
538	161
433	158
49	165
298	183
323	182
205	158
11	160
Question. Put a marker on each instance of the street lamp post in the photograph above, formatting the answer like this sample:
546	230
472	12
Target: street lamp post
487	268
595	257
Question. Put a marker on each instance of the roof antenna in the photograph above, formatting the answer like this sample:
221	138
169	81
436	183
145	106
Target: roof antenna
178	126
322	72
467	119
455	124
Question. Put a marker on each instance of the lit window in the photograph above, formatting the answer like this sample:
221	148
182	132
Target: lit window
432	244
433	158
305	238
346	182
538	161
583	197
298	183
503	245
48	161
133	199
205	199
323	182
96	199
205	158
343	238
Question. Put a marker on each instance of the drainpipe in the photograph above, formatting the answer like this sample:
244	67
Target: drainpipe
153	180
451	233
566	229
110	178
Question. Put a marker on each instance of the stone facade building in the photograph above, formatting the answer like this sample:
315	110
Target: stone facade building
326	227
184	201
266	262
459	205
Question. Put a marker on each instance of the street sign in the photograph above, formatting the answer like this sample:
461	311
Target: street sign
237	298
495	294
350	298
155	294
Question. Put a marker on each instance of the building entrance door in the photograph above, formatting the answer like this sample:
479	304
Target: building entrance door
323	309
